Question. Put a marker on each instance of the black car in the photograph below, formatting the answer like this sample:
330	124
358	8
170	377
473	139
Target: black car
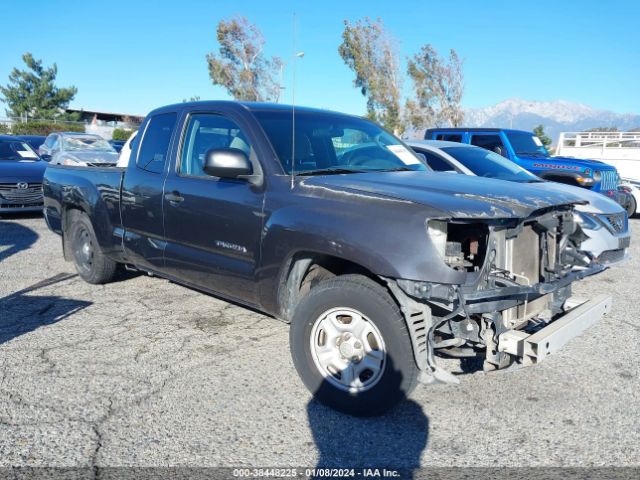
21	172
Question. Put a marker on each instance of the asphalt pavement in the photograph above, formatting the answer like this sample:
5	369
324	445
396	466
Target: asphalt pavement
144	372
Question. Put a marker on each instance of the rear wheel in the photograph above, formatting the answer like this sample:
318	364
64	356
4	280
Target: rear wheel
351	347
91	264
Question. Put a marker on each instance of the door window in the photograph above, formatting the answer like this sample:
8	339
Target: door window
489	142
154	147
436	162
207	131
449	137
51	139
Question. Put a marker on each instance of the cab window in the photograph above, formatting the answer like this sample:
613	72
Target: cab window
207	131
154	146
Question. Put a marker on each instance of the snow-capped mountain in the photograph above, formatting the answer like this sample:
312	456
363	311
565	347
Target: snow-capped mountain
556	116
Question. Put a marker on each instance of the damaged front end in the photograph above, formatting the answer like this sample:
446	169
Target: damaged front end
515	305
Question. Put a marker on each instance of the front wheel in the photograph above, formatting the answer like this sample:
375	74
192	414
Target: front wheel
631	206
351	347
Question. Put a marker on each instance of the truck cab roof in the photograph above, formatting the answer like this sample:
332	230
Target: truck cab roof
477	129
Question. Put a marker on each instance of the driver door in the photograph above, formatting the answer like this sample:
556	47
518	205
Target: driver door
212	225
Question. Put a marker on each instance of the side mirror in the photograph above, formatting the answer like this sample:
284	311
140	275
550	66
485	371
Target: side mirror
227	163
46	157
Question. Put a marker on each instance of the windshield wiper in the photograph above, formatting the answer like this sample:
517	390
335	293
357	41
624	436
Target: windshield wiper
329	171
397	169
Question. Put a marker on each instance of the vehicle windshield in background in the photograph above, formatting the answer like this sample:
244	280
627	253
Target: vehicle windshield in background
94	144
526	144
331	143
491	165
13	150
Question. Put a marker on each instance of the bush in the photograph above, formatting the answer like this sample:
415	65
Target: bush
4	129
45	128
121	134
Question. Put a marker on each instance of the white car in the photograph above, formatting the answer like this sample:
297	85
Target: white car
125	153
603	220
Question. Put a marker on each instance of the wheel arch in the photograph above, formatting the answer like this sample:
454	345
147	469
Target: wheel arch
305	269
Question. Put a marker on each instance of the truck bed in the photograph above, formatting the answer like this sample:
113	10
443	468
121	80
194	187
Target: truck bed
94	190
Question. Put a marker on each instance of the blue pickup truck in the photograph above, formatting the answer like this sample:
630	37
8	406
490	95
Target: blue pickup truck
526	150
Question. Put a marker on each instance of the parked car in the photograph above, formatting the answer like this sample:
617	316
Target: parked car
78	149
117	144
603	220
21	172
340	229
527	151
125	153
34	141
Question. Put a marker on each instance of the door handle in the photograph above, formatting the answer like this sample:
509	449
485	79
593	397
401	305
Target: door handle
174	198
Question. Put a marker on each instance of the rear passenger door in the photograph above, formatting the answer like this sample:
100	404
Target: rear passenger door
490	141
142	192
213	225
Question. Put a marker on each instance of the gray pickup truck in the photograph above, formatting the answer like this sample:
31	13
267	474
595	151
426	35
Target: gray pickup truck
328	222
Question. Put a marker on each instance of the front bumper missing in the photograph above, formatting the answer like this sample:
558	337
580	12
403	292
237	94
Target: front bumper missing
532	349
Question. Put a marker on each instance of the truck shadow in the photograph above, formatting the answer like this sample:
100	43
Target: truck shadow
14	238
21	313
394	440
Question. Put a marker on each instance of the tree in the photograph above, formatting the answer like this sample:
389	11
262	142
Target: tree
369	50
438	85
33	93
121	134
539	132
240	65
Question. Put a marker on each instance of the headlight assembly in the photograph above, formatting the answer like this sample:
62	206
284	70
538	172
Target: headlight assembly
587	221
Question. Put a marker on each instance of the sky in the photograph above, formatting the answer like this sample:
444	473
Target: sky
133	56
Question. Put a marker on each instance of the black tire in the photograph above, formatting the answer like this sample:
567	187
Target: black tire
91	264
399	374
631	207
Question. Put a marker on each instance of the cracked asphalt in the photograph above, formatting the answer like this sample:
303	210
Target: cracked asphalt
144	372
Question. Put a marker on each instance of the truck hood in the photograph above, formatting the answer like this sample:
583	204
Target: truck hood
454	195
579	162
13	171
92	157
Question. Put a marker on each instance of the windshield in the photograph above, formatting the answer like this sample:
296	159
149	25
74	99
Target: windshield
94	144
15	150
334	143
488	164
526	144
